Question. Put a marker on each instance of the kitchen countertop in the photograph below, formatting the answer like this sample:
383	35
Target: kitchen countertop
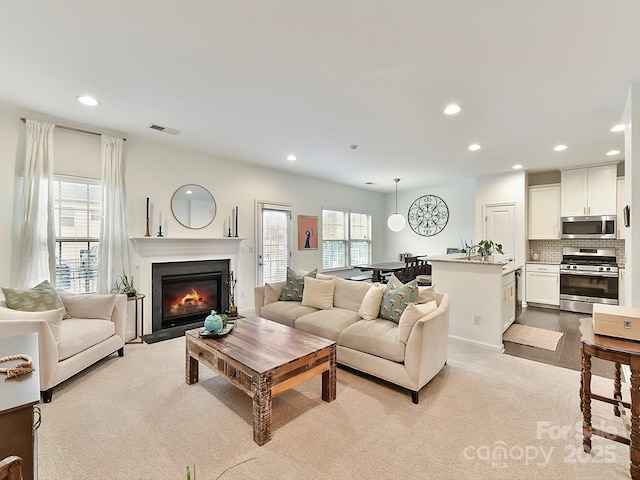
461	258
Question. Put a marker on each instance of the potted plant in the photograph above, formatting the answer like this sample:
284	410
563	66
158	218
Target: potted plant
124	284
486	249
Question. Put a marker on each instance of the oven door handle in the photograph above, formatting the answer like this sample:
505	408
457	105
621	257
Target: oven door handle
589	274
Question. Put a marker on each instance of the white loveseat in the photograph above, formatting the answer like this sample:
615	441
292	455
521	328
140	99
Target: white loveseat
96	329
371	346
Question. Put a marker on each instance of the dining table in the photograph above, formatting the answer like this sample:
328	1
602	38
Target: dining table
378	269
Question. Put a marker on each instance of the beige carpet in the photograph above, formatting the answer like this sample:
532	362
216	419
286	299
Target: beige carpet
532	336
485	416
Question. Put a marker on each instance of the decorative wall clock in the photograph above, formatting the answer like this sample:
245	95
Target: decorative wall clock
428	215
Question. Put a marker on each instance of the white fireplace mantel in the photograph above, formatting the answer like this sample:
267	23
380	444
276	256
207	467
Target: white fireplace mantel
171	246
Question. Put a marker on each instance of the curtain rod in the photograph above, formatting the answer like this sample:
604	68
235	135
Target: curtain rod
73	129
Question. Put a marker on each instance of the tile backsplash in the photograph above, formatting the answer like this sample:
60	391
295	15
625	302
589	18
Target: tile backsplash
550	251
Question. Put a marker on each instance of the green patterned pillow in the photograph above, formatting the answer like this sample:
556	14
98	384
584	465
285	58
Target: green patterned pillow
40	298
396	297
294	285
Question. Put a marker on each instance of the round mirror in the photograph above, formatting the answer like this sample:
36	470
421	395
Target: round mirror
193	206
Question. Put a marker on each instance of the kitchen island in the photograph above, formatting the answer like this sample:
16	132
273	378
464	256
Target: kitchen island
483	296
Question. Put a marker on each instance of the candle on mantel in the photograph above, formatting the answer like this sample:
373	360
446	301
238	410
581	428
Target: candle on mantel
159	219
147	217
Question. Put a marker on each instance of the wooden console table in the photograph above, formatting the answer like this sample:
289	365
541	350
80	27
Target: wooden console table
138	319
619	351
17	399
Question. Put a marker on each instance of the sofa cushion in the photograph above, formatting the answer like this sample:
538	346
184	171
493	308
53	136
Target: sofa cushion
318	293
396	297
272	291
78	334
285	312
411	314
378	337
52	317
349	294
294	286
37	299
88	305
426	294
370	307
327	323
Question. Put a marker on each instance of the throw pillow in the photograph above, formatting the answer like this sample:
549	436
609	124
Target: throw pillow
396	297
52	317
88	305
426	294
272	292
318	293
294	285
40	298
370	307
411	314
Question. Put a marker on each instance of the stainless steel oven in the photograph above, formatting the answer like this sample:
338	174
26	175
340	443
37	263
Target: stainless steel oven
588	276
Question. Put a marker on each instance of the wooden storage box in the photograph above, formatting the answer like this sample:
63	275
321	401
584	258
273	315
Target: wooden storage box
616	321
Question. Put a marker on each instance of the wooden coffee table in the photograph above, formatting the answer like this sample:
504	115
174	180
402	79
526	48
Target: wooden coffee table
264	358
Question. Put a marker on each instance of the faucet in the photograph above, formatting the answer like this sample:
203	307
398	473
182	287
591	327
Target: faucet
469	250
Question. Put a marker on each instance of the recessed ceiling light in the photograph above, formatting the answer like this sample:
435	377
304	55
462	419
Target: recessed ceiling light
188	192
353	147
291	158
452	109
611	153
474	146
618	128
517	166
87	100
559	148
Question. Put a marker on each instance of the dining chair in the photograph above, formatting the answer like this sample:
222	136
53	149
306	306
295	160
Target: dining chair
11	468
410	269
423	276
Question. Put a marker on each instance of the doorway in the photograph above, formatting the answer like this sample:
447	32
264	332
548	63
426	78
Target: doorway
499	226
274	242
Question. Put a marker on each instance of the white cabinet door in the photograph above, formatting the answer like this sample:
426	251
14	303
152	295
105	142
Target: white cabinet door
574	195
622	298
602	184
589	191
543	284
508	305
620	202
544	212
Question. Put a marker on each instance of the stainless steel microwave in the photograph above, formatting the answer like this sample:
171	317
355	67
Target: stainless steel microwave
592	226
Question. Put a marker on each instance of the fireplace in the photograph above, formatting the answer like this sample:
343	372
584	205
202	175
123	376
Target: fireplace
184	293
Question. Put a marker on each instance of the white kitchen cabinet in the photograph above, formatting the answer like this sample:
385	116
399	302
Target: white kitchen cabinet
622	299
543	284
544	212
508	300
620	203
589	191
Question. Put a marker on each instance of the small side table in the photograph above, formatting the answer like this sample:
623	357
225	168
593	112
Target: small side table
619	351
138	319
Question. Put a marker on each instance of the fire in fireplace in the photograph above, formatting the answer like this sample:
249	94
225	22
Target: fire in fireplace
185	292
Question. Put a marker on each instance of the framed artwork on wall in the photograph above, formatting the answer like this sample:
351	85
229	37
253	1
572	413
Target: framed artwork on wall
307	232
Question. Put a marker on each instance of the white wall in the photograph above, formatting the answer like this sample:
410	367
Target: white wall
501	189
460	199
156	171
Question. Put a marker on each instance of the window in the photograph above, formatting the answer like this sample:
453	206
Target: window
77	204
346	239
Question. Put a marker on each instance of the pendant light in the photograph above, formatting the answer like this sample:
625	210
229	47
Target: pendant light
396	221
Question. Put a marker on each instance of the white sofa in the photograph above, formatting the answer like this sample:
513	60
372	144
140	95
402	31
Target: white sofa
68	346
370	346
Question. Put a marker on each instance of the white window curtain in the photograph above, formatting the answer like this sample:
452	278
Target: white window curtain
114	240
37	250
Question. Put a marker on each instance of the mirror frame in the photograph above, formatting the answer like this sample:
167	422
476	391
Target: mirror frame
183	223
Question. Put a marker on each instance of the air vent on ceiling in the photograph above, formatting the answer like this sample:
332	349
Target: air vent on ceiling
160	128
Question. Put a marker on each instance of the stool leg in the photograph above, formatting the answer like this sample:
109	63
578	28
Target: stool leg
634	447
586	401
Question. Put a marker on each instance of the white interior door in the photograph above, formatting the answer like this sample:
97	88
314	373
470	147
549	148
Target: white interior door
274	244
499	226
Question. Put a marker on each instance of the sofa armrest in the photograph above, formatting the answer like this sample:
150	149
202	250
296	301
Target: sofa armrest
119	316
47	347
428	342
258	298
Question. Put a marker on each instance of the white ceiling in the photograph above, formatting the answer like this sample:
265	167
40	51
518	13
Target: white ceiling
256	80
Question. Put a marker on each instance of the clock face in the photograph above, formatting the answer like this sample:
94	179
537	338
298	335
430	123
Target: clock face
428	215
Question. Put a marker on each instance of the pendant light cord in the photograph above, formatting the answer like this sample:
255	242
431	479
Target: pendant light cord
396	180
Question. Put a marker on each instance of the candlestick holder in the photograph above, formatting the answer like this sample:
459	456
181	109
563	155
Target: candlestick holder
147	234
229	234
160	231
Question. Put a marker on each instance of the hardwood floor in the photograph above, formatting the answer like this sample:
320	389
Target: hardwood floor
567	354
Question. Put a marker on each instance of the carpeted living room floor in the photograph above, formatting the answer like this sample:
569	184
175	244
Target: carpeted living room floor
485	416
